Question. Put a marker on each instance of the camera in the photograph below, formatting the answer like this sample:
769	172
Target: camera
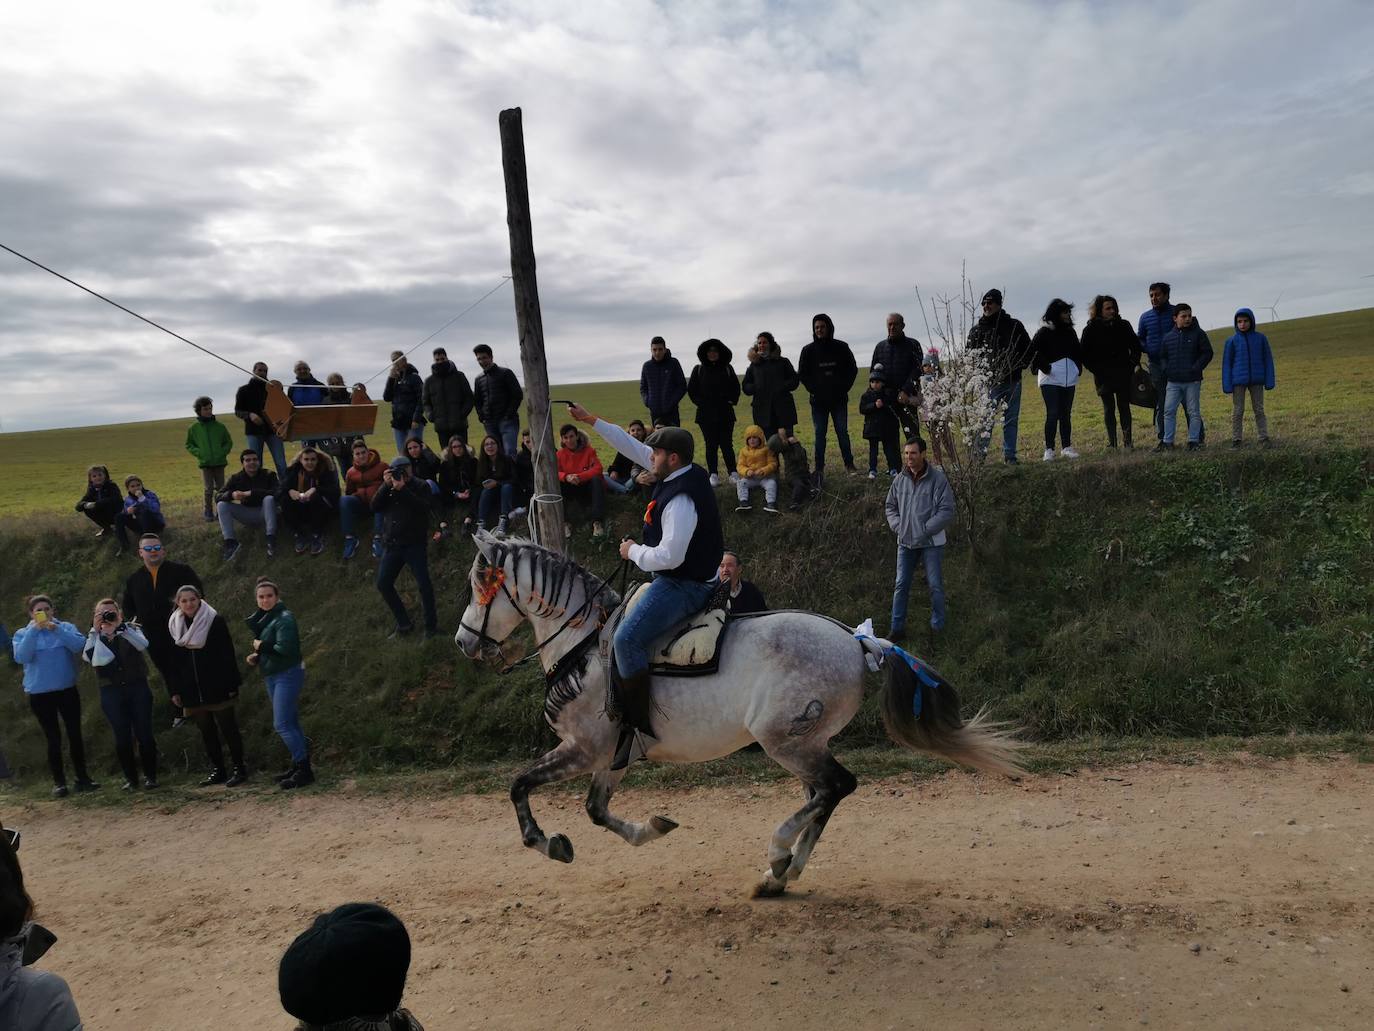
109	617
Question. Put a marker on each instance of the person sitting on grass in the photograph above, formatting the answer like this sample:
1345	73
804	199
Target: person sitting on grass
1247	365
619	478
47	649
308	497
248	498
796	471
496	480
276	655
880	426
142	513
580	477
457	480
206	682
208	441
347	972
361	483
101	502
524	474
757	467
115	649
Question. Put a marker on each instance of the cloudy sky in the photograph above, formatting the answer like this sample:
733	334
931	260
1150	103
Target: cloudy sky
323	180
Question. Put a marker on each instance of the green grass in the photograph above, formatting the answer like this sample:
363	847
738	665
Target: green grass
1119	599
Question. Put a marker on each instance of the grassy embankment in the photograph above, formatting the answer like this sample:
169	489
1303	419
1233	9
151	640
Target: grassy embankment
1118	598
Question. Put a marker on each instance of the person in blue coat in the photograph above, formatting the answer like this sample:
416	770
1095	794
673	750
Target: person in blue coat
47	649
1247	365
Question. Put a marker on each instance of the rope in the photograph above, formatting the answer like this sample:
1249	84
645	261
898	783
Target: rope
474	304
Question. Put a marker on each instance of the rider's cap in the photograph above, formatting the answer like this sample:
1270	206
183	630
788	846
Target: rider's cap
350	962
673	439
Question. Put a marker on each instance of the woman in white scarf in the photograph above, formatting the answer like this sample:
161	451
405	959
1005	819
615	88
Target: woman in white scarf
207	682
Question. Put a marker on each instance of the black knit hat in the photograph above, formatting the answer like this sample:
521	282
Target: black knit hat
993	295
351	962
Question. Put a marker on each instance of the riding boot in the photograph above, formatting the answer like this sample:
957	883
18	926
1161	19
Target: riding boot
632	694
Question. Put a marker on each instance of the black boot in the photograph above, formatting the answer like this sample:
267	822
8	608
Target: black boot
217	776
635	703
236	778
286	774
302	777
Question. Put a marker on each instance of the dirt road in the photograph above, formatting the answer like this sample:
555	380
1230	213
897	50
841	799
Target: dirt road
1216	896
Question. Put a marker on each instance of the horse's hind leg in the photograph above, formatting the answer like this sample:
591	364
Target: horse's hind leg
563	763
838	784
826	783
604	783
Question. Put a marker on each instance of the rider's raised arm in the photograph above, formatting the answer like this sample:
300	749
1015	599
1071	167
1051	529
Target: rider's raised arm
635	450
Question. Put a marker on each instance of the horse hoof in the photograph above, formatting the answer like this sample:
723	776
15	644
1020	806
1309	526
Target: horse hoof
662	824
560	848
770	888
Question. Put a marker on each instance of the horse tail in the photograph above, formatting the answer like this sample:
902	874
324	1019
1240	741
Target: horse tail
921	711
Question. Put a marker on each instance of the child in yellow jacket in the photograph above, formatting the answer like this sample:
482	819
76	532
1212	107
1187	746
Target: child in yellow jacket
757	467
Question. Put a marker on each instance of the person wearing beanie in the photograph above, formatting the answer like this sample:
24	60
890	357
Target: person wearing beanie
347	972
880	425
209	442
1009	352
826	369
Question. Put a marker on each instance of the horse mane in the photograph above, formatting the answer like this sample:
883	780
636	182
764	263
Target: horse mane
549	576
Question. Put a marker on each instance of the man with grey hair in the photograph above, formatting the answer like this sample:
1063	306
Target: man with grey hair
900	359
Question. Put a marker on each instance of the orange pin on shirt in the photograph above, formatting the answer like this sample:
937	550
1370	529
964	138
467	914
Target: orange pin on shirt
649	512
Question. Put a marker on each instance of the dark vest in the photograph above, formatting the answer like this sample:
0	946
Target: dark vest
702	561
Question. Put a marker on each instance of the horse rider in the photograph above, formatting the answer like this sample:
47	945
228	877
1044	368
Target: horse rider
682	549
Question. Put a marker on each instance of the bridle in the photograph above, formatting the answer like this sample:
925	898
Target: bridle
494	582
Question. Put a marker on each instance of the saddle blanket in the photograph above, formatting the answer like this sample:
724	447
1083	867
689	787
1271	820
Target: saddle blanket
691	647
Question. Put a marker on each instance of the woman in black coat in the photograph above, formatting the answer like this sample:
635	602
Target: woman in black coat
206	681
102	500
714	388
770	380
1111	351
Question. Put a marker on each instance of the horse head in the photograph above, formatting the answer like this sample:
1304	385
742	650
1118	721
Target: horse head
492	614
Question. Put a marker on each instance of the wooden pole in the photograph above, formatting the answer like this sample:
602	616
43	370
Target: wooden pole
546	517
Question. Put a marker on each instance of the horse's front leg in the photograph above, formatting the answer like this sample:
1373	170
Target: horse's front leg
563	763
604	783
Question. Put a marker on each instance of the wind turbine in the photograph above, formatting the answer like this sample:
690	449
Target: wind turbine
1273	309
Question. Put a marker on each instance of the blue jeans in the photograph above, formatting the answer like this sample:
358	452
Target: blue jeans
350	505
507	431
284	692
617	486
389	568
666	601
838	413
274	445
495	502
401	436
1190	394
933	559
1011	418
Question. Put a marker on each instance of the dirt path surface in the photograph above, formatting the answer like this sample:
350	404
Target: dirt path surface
1217	896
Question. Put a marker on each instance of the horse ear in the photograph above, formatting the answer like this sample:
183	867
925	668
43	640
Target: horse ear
485	542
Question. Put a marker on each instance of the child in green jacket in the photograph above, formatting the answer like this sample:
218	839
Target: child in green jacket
209	441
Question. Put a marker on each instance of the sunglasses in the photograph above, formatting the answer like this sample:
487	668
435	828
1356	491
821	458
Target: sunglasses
151	547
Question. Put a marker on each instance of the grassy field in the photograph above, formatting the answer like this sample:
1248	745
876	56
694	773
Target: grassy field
1325	391
1119	597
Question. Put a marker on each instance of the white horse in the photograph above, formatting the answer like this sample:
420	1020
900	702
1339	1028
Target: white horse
789	680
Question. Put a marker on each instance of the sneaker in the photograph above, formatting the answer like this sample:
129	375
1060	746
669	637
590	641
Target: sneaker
598	530
301	543
60	791
567	531
1068	452
1194	445
481	525
230	550
376	545
236	778
100	532
734	477
715	480
400	631
350	547
744	507
1161	446
208	516
501	525
793	506
518	512
1011	460
86	784
1048	456
129	785
316	544
271	545
873	474
1235	443
1265	442
216	776
851	468
771	507
178	722
150	783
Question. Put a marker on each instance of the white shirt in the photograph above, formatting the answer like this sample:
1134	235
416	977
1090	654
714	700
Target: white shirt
679	517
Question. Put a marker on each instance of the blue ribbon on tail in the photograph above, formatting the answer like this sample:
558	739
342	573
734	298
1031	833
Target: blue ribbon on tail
924	673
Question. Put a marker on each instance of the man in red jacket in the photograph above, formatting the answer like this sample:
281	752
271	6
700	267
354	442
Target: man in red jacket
579	476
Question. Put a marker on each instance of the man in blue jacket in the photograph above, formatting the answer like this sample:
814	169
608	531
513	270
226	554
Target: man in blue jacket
1155	324
1247	364
1184	353
662	385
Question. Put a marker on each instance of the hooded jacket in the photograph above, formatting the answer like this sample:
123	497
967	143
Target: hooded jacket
209	443
297	479
826	367
364	481
1185	353
497	395
447	397
1155	324
406	394
1111	350
714	388
661	384
1246	358
756	462
770	382
582	463
1057	356
900	361
49	657
1007	343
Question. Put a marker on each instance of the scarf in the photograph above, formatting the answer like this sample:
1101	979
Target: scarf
192	636
401	1020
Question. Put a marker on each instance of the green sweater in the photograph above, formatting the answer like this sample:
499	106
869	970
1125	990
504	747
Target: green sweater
281	641
209	441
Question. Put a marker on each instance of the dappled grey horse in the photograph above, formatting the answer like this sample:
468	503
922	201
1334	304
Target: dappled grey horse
788	680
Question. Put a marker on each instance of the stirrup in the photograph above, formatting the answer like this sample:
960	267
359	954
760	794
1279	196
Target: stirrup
625	751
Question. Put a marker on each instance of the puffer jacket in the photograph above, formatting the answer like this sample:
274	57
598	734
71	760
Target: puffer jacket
714	388
308	391
1155	324
918	510
497	395
1111	351
826	367
364	481
1246	358
661	384
1056	356
280	647
447	396
879	423
757	462
1185	353
1007	343
406	394
900	361
770	382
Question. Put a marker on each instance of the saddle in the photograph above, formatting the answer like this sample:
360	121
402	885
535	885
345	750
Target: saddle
690	648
